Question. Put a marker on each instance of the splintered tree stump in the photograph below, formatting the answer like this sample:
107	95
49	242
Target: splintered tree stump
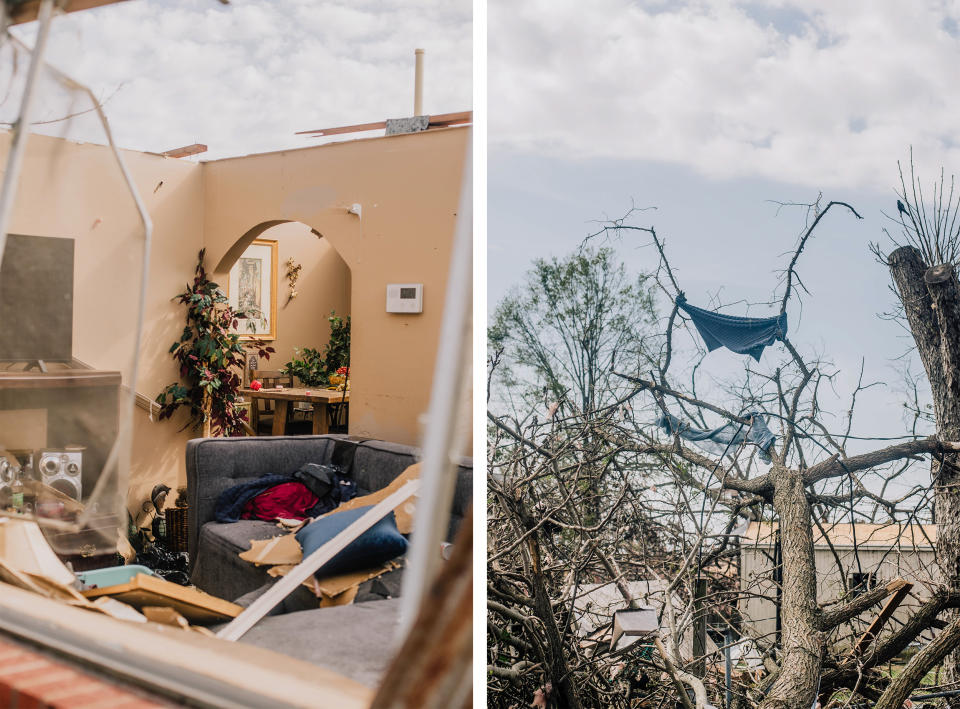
931	304
938	274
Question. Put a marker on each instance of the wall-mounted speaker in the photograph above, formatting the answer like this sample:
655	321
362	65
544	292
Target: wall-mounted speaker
61	471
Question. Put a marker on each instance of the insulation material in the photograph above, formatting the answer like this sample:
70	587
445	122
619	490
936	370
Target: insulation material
333	586
166	616
284	549
117	609
24	548
341	599
403	513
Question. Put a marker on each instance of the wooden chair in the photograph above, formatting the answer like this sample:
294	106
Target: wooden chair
270	379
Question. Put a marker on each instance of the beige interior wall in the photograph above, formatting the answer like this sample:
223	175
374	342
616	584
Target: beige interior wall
324	285
408	187
75	190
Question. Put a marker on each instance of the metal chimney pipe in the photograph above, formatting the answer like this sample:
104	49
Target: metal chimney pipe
418	84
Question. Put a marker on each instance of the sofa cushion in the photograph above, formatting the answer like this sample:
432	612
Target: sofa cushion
356	641
215	464
379	544
377	463
218	568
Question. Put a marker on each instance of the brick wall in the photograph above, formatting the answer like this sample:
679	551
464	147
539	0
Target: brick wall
31	680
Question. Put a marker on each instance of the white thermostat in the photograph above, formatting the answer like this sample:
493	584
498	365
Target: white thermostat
404	297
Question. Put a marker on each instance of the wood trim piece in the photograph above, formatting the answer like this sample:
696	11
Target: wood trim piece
451	119
26	11
877	625
357	128
195	606
58	379
438	120
185	151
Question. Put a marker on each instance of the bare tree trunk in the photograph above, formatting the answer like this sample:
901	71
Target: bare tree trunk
207	423
542	607
796	685
931	303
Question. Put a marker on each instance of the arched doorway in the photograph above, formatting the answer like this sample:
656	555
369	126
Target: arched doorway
313	285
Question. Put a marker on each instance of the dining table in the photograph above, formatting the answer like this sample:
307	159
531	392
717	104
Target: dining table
283	398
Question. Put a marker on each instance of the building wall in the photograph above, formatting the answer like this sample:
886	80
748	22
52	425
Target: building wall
75	190
914	565
408	187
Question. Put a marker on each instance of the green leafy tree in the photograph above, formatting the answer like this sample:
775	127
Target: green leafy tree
565	495
558	339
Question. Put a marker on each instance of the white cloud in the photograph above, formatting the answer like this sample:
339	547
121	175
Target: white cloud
815	92
245	77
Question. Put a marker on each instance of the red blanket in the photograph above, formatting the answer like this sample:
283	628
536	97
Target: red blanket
288	500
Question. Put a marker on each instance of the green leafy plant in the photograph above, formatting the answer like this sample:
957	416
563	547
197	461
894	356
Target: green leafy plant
336	352
308	366
314	368
211	359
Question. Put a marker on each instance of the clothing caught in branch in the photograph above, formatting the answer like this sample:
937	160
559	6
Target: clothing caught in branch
726	438
741	335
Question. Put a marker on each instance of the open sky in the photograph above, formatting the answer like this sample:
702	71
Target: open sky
244	77
707	110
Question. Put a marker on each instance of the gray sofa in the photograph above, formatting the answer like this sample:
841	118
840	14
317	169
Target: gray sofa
215	464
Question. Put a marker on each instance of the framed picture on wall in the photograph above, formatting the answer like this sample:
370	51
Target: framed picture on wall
252	291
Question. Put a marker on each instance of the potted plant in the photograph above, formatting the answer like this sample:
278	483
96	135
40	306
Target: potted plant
210	359
316	369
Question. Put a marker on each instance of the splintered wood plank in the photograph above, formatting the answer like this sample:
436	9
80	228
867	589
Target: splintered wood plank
900	591
185	151
437	120
357	128
26	11
451	119
144	590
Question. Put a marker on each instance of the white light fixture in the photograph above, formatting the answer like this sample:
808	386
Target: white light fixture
634	622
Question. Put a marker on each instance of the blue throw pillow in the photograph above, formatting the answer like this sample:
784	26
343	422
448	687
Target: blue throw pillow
379	544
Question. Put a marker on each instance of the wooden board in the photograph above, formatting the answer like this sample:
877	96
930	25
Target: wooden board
900	589
58	379
196	606
27	10
298	394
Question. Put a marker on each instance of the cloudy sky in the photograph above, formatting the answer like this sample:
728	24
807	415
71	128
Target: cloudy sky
245	77
707	111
